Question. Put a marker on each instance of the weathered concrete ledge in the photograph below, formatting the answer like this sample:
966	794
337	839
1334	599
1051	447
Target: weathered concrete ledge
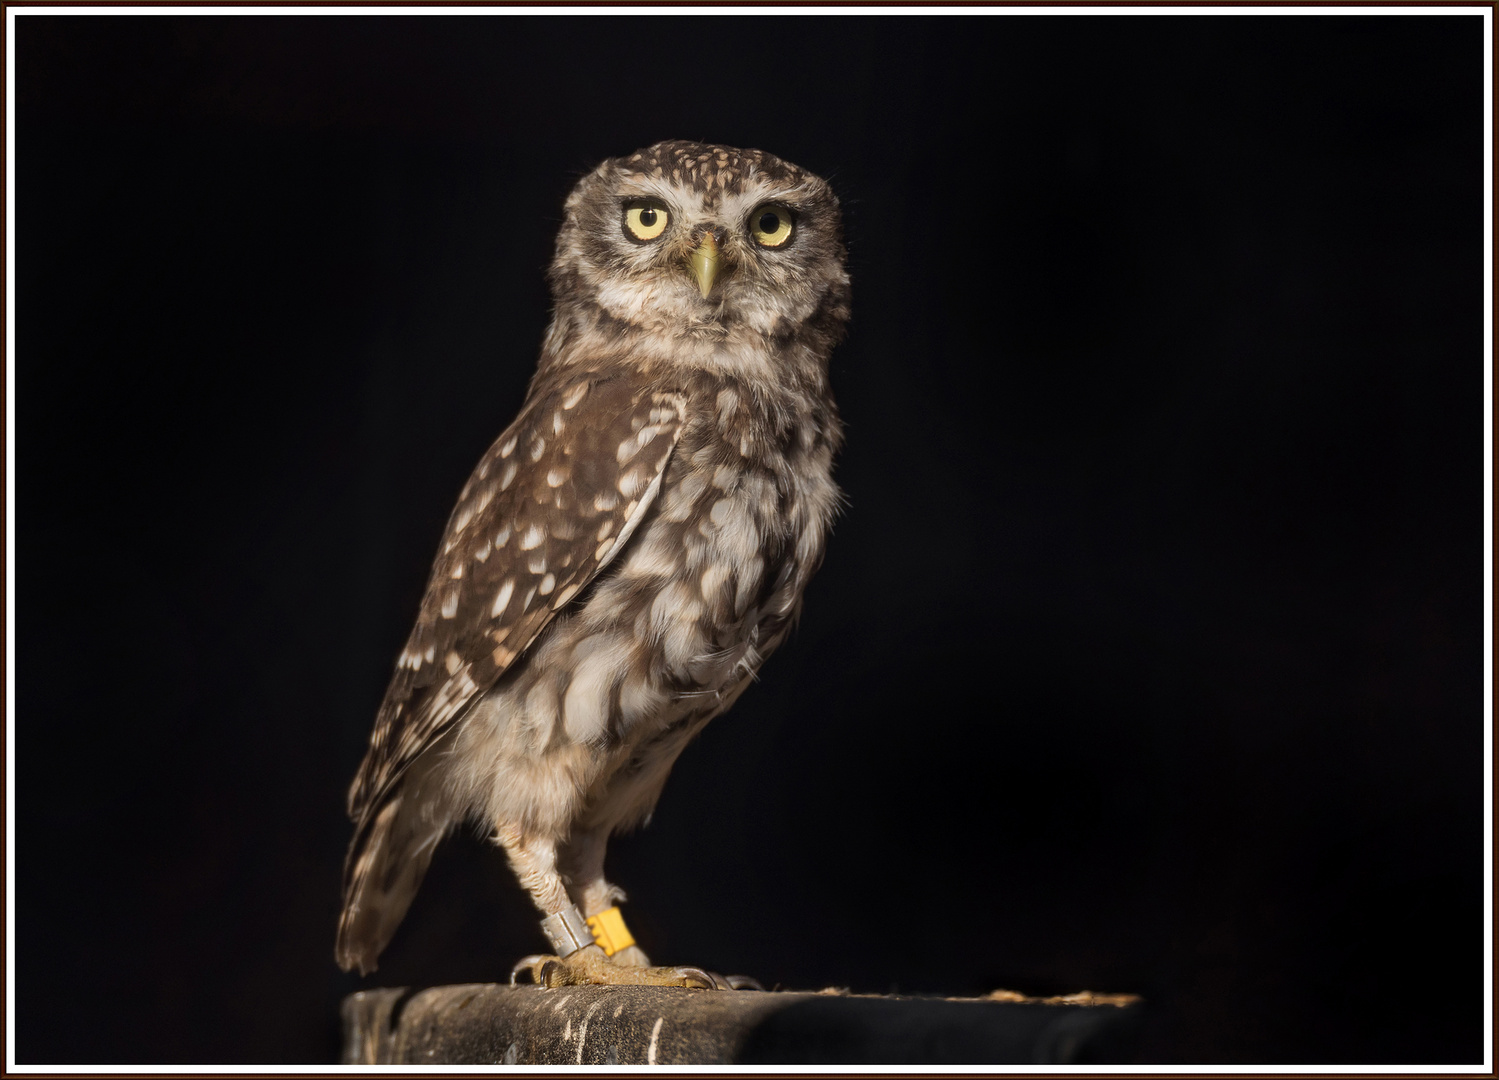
488	1024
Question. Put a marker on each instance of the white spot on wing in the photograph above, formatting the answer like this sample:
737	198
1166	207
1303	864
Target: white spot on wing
502	599
508	475
509	447
574	395
538	448
632	483
534	535
449	606
548	583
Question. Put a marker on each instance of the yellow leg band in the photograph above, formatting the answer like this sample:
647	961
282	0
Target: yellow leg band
609	931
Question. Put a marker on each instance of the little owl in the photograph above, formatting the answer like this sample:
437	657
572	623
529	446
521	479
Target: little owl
625	556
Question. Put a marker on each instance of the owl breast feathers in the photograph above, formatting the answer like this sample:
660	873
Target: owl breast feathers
632	547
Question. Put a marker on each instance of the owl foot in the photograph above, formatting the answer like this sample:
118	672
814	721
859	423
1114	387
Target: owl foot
590	966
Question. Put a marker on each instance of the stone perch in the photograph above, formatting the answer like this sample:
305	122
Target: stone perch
489	1024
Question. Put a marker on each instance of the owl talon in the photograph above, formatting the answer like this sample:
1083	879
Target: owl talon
527	963
589	966
690	976
721	982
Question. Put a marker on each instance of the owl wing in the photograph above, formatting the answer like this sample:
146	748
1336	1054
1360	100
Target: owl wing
551	503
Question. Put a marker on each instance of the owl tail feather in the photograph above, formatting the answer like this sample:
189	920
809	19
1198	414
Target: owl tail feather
386	864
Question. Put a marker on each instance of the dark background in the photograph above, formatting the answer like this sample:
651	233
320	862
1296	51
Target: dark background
1147	656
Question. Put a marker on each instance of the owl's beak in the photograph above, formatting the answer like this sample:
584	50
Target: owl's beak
705	262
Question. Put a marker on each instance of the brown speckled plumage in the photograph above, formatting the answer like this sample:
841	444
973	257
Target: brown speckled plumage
629	551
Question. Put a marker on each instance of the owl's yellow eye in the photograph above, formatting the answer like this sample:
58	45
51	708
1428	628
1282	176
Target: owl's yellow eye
770	225
645	219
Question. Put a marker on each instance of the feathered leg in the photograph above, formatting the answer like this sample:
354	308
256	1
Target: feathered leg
534	860
581	861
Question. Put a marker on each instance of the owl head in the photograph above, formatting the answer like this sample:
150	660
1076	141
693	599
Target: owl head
696	243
